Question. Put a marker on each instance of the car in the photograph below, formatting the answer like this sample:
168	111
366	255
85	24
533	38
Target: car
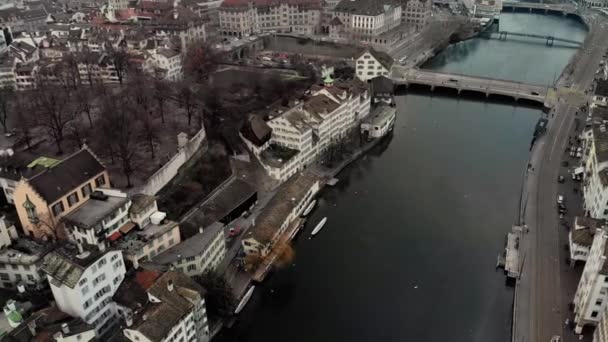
560	199
565	163
562	206
234	231
535	93
561	179
452	80
267	59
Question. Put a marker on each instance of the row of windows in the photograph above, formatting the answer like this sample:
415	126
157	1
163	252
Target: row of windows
58	208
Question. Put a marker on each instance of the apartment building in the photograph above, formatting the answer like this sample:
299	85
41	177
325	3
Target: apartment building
197	254
595	184
172	309
20	264
600	95
365	20
170	63
83	281
241	18
42	200
581	236
417	13
592	292
372	63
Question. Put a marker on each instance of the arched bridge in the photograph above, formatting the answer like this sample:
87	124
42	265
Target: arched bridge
549	40
483	85
536	7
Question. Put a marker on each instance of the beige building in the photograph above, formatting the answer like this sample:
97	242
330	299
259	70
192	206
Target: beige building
240	18
417	13
372	63
366	20
44	199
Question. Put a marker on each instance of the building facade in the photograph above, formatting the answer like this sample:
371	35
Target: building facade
417	13
580	237
366	20
372	63
595	184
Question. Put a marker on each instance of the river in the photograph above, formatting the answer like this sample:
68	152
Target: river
409	250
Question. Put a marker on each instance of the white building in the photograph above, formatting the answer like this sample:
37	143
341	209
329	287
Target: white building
600	95
174	311
580	237
99	218
20	264
280	213
83	283
417	13
595	186
592	292
170	63
379	123
366	20
197	254
304	132
372	63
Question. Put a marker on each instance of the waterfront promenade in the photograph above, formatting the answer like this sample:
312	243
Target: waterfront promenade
544	288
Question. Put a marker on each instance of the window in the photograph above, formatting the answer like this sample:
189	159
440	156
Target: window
73	198
86	190
84	290
58	208
594	314
82	281
30	277
101	180
4	276
598	302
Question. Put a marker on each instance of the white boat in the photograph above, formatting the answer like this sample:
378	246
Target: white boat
319	226
245	300
309	208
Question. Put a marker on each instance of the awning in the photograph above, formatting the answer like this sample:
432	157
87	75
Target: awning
115	236
126	227
579	170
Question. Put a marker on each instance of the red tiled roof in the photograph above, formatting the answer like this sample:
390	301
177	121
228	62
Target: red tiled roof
146	278
267	3
115	236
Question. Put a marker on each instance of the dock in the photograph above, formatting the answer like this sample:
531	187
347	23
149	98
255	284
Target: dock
266	265
511	259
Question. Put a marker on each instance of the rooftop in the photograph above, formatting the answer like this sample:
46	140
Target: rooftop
365	7
256	130
277	156
382	57
132	292
601	87
24	251
66	264
48	322
221	203
57	181
584	230
379	115
92	212
134	240
195	245
141	202
280	206
599	127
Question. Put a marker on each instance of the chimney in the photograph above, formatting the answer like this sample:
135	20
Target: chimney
129	320
170	286
65	328
144	317
32	327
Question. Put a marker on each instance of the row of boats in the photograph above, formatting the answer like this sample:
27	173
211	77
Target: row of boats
314	232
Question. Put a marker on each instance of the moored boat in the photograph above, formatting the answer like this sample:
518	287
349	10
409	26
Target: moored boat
245	300
319	226
309	208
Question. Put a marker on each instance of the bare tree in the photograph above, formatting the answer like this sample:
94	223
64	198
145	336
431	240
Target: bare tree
149	130
6	96
24	121
120	59
187	101
200	60
161	92
84	100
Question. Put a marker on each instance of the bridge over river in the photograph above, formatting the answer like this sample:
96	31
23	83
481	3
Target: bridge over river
549	40
482	85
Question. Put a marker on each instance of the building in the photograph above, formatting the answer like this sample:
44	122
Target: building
242	18
83	282
417	13
592	294
280	213
595	4
20	265
595	185
197	254
600	95
14	166
52	325
174	310
170	64
306	130
379	123
372	63
366	20
141	245
42	200
580	237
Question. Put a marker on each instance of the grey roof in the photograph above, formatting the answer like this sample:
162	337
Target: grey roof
599	127
140	202
382	84
93	211
59	180
221	203
66	265
382	57
602	87
364	7
196	245
256	130
176	304
48	322
135	240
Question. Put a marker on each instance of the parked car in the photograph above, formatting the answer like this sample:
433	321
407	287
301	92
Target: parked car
560	199
561	179
234	231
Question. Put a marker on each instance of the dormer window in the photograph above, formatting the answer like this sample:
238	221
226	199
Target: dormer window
30	209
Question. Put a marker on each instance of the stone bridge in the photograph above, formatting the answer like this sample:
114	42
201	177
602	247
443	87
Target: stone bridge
564	9
482	85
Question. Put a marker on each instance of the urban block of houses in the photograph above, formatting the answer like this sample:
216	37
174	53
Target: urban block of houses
591	294
307	129
595	186
200	253
83	281
44	199
20	264
242	18
163	307
370	21
372	63
600	95
417	13
581	236
281	211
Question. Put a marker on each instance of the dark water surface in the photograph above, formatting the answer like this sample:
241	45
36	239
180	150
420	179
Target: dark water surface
409	250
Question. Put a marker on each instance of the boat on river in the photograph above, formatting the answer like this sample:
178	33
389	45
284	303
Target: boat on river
245	300
319	226
309	208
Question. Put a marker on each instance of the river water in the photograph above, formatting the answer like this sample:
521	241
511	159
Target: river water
409	250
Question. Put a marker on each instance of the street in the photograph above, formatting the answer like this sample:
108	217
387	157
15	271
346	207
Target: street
546	284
